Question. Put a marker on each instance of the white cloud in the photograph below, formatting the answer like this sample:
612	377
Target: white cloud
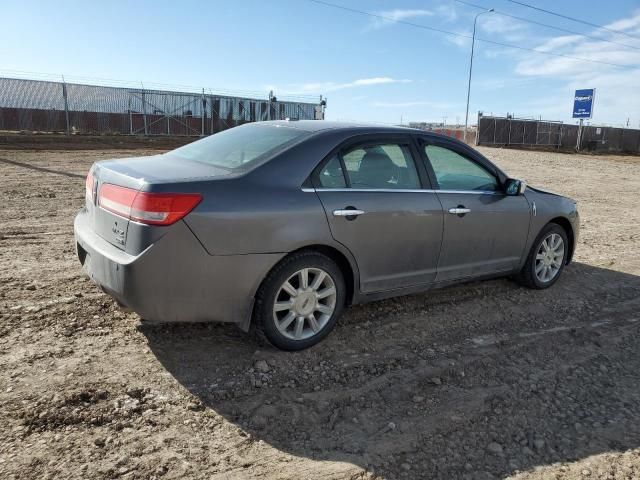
463	42
392	16
488	26
495	52
629	25
616	97
582	47
559	42
505	27
615	101
372	81
448	11
539	65
417	103
325	87
500	83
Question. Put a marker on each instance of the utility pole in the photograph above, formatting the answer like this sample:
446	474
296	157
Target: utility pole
473	42
66	104
579	140
323	105
272	99
144	111
204	109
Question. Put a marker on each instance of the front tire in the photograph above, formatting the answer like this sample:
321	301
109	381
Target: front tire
546	259
300	300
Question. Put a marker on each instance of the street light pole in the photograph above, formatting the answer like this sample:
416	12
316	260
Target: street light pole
473	42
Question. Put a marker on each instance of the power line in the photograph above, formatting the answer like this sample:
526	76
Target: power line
462	35
560	29
382	17
573	19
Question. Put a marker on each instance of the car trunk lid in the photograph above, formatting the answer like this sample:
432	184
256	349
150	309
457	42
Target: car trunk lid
141	174
108	225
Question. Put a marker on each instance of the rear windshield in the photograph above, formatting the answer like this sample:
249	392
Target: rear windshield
240	148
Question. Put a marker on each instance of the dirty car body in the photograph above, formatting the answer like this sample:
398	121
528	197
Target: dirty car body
186	236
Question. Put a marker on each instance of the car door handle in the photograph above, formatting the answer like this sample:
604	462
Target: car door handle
459	211
348	213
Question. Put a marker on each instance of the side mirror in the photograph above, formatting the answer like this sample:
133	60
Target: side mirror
515	187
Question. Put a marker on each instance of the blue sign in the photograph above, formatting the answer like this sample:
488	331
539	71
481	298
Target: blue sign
583	103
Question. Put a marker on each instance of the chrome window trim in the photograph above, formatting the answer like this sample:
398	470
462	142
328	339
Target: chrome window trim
472	192
402	190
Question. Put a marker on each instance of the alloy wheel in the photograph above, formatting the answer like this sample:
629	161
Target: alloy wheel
304	303
549	258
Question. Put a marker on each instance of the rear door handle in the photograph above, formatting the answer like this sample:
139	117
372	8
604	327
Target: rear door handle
459	211
348	213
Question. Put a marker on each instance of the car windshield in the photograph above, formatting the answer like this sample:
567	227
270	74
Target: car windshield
240	148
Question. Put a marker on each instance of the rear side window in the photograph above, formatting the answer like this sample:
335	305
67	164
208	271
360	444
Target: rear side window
385	166
331	175
240	148
455	172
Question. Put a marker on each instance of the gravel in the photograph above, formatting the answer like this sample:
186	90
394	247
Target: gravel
495	448
480	381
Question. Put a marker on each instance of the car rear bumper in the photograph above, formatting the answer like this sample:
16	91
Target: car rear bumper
174	279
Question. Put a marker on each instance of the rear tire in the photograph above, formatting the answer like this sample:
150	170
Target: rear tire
546	259
299	301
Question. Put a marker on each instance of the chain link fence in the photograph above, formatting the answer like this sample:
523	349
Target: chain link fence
510	131
518	131
456	132
46	106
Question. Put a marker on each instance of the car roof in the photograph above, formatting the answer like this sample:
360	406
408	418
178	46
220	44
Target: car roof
355	128
319	125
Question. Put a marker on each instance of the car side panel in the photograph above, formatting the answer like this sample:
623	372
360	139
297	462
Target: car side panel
396	242
546	207
491	238
266	210
239	218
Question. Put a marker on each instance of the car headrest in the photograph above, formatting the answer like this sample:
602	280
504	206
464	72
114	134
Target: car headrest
377	165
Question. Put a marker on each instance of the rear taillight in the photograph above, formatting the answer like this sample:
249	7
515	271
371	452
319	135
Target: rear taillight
88	184
145	207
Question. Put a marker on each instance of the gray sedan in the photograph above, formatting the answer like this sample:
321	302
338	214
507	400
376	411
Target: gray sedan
280	225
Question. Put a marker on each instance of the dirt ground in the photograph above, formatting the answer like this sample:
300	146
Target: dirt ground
481	381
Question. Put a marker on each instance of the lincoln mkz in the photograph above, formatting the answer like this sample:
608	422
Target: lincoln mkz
281	225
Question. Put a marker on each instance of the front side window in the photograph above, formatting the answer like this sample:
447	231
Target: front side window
239	148
382	166
455	172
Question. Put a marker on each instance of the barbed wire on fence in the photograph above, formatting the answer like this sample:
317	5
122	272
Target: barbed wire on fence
152	85
63	106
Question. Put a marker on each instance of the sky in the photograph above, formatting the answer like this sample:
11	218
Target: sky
368	68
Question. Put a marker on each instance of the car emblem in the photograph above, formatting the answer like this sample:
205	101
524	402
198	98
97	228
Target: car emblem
119	233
